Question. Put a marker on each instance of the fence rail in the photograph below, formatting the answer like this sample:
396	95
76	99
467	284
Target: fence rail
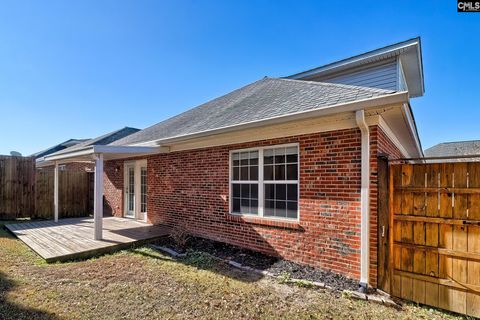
17	190
28	193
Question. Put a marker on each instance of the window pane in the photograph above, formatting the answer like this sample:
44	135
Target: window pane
280	155
236	173
236	205
244	158
254	191
280	192
254	158
292	192
291	150
292	172
279	172
243	173
292	158
269	209
235	159
254	206
236	190
245	206
268	156
143	189
268	172
245	191
254	173
292	209
269	191
292	154
281	209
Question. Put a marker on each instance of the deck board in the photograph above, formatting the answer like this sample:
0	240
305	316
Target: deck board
73	238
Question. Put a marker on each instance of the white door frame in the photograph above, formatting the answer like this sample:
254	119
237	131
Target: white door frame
137	169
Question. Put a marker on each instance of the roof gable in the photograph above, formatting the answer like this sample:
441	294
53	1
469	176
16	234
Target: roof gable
58	147
406	55
105	139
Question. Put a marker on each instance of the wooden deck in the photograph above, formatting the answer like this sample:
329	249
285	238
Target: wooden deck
73	238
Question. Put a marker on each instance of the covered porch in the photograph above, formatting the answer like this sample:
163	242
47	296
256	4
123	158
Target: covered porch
73	238
96	154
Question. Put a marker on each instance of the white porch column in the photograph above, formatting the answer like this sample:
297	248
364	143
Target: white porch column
98	197
55	192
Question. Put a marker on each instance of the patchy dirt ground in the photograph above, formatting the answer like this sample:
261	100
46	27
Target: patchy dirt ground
143	284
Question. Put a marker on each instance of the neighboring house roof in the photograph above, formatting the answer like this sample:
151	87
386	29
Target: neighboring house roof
99	141
408	52
58	147
261	100
454	149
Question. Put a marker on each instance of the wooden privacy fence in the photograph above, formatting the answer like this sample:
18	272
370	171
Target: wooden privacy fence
75	196
17	193
435	241
28	193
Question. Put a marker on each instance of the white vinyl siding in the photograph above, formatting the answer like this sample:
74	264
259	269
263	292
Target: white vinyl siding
383	76
402	82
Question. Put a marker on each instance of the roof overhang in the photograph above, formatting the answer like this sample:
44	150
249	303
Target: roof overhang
398	98
109	153
408	52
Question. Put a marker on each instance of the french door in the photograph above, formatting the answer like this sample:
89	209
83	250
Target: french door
135	187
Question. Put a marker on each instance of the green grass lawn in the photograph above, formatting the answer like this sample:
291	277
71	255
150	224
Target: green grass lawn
141	283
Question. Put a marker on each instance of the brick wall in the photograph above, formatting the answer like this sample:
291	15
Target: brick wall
113	188
191	187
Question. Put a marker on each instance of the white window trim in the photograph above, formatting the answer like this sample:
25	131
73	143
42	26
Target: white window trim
261	183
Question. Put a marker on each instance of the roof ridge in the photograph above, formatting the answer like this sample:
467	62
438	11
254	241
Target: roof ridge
338	85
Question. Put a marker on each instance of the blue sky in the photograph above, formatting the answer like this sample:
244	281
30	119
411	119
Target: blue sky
77	69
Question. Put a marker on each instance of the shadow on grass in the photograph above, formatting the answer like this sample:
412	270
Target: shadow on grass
10	310
204	261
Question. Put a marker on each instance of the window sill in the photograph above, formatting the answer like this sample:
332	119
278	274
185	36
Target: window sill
284	224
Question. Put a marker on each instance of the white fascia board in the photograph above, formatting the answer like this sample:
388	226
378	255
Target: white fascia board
395	49
72	154
100	149
413	127
126	149
394	98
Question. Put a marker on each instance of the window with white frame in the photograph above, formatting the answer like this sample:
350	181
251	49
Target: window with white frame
143	189
264	182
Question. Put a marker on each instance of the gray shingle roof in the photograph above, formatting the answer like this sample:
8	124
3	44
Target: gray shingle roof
458	148
260	100
58	147
102	140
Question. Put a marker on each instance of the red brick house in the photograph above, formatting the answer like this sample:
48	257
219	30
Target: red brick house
285	166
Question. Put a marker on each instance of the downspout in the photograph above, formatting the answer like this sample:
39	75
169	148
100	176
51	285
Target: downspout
365	200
